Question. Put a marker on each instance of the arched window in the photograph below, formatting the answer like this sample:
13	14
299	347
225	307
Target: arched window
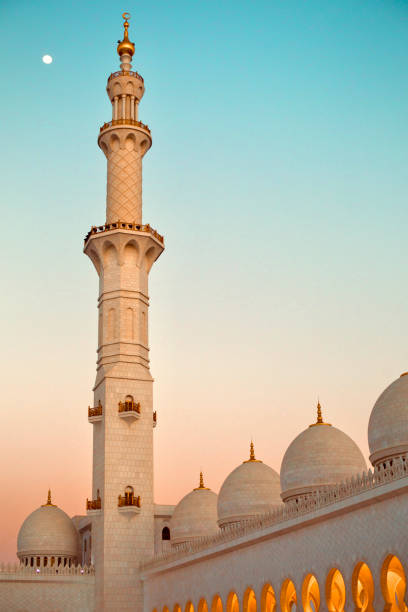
310	594
32	562
288	597
335	591
268	600
362	587
165	533
45	561
249	600
393	585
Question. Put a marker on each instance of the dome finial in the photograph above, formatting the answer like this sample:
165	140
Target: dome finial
252	458
125	47
319	420
201	485
49	502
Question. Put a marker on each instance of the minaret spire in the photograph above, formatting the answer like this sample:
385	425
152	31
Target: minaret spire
125	48
252	458
319	420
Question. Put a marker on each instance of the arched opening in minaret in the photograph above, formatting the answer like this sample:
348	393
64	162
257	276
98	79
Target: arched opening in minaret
129	496
165	533
393	584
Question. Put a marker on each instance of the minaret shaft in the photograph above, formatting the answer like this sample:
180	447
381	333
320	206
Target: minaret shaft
123	252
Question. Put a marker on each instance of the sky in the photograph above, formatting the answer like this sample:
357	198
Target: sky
278	178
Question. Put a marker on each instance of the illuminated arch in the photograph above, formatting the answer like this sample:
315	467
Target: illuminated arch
288	597
249	603
202	605
268	599
335	591
232	602
165	609
362	587
189	607
177	608
310	594
393	584
216	605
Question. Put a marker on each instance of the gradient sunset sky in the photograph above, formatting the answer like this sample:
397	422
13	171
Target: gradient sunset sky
278	176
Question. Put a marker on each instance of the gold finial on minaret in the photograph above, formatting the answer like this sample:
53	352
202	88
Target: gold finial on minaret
201	485
125	46
319	420
252	458
49	502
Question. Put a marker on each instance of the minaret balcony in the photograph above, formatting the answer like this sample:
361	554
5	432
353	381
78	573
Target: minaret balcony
93	505
126	73
120	225
95	413
154	418
129	410
117	122
129	504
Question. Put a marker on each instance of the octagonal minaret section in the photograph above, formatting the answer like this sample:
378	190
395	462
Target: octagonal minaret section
123	250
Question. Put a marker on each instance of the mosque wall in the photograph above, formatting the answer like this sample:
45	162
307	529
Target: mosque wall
365	528
29	591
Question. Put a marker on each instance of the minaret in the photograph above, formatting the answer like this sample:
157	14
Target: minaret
123	251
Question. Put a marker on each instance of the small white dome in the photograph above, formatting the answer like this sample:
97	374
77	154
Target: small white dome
195	515
48	531
321	455
388	425
251	489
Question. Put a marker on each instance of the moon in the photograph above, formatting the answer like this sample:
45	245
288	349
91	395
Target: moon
47	59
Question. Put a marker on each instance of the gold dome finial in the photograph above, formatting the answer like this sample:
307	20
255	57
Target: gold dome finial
201	485
49	502
319	420
252	454
125	46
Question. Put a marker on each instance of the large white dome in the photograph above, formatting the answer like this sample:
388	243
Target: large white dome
47	531
388	425
321	455
195	515
251	489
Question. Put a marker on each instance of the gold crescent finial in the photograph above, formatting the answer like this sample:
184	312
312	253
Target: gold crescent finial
125	46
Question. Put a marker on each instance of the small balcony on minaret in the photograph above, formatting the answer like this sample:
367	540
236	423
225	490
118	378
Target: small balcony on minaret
129	503
94	505
95	413
154	418
129	409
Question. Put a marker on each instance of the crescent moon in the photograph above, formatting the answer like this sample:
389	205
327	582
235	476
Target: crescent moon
126	16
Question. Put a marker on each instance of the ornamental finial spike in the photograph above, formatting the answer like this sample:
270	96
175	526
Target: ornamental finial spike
201	486
319	413
125	47
252	452
49	502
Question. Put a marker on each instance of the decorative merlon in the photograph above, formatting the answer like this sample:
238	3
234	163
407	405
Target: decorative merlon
16	568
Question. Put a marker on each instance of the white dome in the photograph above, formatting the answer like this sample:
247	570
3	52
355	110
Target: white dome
48	531
388	425
251	489
321	455
194	516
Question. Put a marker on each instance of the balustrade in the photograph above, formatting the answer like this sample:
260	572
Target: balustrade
136	227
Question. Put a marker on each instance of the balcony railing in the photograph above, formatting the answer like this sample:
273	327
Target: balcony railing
136	227
94	504
130	73
124	122
95	411
129	500
129	407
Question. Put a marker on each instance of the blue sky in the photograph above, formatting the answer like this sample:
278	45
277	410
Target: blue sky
278	177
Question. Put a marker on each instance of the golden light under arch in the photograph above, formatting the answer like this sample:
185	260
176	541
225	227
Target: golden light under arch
249	603
335	591
232	602
362	588
202	605
288	597
268	599
310	594
189	607
216	605
393	585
